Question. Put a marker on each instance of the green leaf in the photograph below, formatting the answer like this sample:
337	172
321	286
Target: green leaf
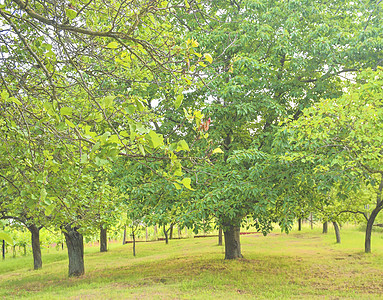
70	13
182	145
70	124
104	137
96	147
178	172
186	182
114	139
49	108
4	95
142	150
193	42
49	209
208	57
178	101
43	194
178	187
6	237
66	111
15	100
131	109
140	106
100	161
107	101
217	150
84	158
155	139
112	45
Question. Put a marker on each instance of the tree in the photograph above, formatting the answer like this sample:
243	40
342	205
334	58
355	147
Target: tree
23	172
271	60
342	138
73	91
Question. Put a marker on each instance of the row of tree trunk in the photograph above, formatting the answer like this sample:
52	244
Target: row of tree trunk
75	245
233	244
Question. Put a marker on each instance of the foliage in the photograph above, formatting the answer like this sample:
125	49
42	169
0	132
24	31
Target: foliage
341	137
272	59
4	236
75	94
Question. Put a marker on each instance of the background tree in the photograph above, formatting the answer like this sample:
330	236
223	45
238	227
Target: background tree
342	138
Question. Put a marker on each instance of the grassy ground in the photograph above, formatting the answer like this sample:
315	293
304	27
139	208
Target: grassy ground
304	265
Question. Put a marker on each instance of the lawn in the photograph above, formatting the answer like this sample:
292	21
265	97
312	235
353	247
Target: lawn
300	265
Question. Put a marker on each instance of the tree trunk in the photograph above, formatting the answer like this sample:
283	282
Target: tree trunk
146	234
232	242
325	227
124	237
134	243
299	224
370	223
166	235
3	249
171	232
179	232
103	239
311	221
220	236
75	245
36	250
337	232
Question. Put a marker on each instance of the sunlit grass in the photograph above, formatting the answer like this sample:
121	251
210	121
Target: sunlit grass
302	265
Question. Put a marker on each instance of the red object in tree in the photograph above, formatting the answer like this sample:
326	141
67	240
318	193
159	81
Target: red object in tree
205	125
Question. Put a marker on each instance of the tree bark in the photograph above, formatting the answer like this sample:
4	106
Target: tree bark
3	250
220	236
134	243
75	245
232	242
171	232
299	224
325	227
36	249
337	232
371	218
311	221
124	237
103	239
370	223
166	235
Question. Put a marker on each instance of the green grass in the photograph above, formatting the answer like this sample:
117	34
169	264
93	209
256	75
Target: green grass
304	265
